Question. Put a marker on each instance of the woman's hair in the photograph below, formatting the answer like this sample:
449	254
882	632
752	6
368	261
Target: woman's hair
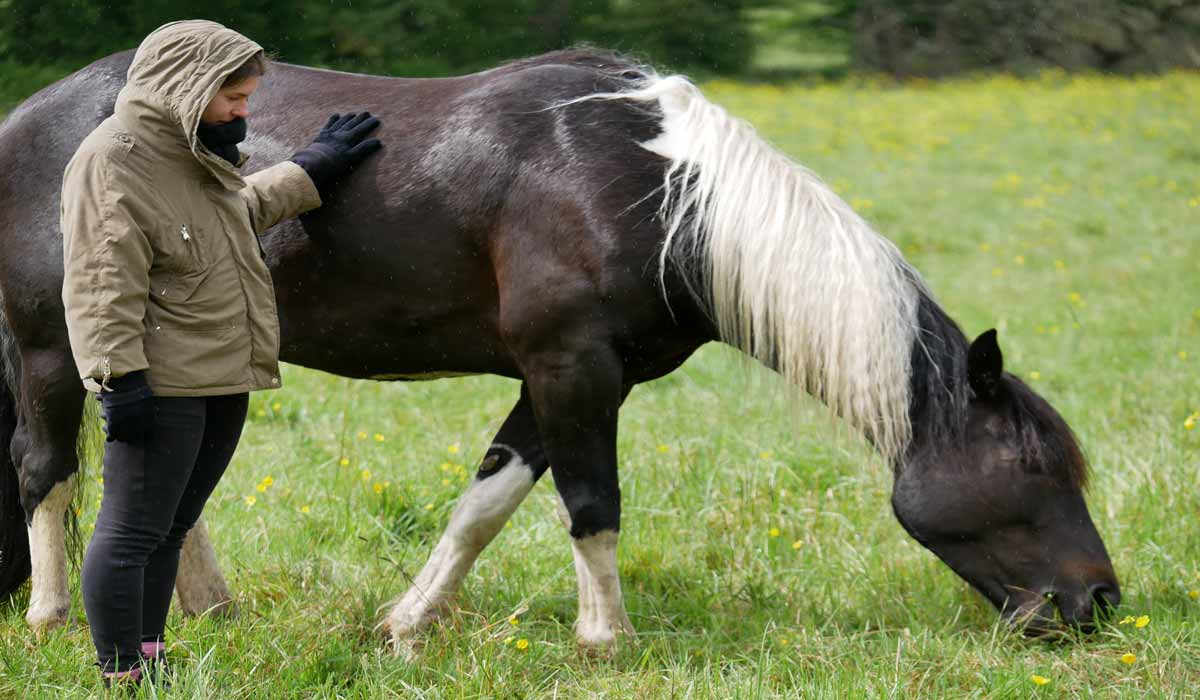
254	67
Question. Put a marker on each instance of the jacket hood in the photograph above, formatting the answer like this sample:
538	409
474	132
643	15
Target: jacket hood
175	73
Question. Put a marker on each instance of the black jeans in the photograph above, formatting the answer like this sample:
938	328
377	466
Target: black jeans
153	494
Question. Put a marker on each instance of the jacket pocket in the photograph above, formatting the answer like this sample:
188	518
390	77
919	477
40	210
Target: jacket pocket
194	301
182	246
196	359
170	287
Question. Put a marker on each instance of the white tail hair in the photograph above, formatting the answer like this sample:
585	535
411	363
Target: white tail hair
790	273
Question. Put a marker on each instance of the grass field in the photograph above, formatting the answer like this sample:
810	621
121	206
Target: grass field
759	555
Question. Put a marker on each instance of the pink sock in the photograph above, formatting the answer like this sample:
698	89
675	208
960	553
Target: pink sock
151	650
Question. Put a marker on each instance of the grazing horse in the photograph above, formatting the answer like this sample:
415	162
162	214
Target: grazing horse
582	224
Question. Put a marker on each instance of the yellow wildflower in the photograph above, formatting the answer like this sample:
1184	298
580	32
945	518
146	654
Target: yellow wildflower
1127	620
276	406
379	437
445	482
797	544
1182	354
664	448
365	474
522	644
1035	375
1128	658
378	487
512	620
250	500
362	435
453	449
1194	594
260	413
1020	259
1142	621
765	455
1060	265
509	639
344	461
304	509
1039	680
428	506
773	532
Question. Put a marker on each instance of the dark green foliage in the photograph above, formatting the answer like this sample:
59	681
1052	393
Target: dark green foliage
938	37
408	37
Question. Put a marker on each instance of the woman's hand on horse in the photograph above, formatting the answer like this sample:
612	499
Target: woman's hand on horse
338	148
128	408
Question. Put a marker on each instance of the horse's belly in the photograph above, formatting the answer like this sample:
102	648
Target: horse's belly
418	377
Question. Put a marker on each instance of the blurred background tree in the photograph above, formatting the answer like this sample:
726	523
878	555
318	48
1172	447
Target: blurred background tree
41	40
943	37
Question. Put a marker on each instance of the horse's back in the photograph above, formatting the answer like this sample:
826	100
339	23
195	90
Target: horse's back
36	140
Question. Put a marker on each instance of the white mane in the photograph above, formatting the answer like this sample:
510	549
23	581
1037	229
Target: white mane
791	274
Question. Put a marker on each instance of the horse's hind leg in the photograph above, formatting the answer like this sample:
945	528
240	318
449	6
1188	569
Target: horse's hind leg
199	584
509	469
43	451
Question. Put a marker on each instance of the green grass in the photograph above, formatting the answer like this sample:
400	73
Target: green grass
1062	211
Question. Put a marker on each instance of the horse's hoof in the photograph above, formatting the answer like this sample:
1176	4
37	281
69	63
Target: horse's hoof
403	639
407	650
44	618
602	640
223	609
200	600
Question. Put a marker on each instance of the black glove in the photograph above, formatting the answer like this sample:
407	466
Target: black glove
128	409
337	149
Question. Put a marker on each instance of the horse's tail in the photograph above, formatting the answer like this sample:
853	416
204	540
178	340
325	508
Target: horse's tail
14	538
789	272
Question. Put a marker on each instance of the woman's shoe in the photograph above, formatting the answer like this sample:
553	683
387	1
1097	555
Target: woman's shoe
123	679
154	665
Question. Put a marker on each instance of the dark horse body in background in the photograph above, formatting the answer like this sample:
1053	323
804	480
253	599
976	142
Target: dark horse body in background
582	246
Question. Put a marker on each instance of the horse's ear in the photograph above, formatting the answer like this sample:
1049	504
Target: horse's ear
985	365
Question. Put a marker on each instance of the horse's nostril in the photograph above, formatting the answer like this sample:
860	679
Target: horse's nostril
1106	596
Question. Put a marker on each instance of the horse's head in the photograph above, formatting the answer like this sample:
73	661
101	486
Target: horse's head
1003	504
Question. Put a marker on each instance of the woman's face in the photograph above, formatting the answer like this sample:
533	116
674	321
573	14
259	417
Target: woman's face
230	103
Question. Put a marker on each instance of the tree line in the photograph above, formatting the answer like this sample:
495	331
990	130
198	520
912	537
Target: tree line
41	40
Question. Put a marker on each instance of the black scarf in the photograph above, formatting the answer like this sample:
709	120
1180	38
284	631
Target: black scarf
222	139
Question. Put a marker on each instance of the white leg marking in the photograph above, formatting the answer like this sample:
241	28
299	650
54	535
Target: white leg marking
200	585
601	608
587	617
481	512
49	599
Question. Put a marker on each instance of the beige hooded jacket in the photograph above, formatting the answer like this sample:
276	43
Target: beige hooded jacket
162	268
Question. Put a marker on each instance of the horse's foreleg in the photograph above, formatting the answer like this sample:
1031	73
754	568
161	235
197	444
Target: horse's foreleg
576	403
43	451
508	471
199	584
49	598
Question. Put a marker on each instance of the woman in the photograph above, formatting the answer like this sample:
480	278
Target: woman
170	308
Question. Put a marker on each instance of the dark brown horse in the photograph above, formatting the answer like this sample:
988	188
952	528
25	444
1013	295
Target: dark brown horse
584	225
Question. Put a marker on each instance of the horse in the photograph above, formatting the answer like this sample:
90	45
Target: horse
583	224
